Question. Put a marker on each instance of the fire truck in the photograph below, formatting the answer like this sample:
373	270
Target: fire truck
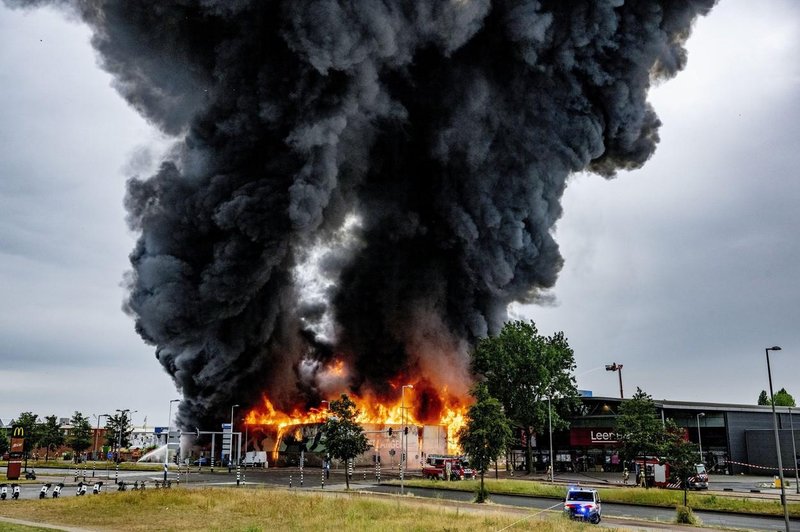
436	466
657	473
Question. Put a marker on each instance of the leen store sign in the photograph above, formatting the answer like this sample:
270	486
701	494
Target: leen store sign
598	436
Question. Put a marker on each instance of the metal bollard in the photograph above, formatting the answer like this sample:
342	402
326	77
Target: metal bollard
323	476
238	474
116	473
290	481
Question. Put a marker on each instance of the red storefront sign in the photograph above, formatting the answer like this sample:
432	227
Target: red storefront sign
593	436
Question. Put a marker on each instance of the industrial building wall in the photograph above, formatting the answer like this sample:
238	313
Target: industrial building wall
761	450
738	425
422	441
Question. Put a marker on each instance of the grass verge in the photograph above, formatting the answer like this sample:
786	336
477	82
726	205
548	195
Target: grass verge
255	510
639	496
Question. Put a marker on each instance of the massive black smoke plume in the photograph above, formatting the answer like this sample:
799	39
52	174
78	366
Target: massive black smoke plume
372	180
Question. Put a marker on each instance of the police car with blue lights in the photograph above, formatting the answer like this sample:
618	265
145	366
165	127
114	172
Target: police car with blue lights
583	504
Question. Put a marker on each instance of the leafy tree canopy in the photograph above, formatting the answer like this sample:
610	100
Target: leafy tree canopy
51	435
80	437
521	369
344	437
782	398
4	442
30	424
763	398
641	430
119	429
486	434
681	455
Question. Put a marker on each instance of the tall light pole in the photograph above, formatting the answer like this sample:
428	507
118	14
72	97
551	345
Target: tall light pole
230	448
123	417
244	422
550	429
97	433
618	368
794	454
404	433
699	439
777	440
169	429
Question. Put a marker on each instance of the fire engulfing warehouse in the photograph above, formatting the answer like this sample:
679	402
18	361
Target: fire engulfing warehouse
358	189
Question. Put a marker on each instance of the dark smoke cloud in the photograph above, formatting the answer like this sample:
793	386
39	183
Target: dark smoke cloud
447	128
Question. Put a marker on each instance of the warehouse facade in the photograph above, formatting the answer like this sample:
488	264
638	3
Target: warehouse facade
734	438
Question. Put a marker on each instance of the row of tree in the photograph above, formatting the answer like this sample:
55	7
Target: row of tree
782	398
48	434
526	378
525	387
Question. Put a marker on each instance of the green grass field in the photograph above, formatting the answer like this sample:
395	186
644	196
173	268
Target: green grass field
265	509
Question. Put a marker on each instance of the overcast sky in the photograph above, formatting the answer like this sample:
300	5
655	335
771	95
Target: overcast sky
683	271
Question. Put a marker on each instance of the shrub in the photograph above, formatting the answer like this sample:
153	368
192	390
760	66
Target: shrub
684	515
481	495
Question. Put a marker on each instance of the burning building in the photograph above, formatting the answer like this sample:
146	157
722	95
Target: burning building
285	435
286	445
364	184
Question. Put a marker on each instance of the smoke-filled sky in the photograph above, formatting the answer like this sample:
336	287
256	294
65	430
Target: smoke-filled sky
683	271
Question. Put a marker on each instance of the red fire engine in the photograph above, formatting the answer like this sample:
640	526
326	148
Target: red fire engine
657	473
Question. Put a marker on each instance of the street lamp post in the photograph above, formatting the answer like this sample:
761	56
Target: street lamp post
123	416
244	422
166	447
550	429
699	439
97	432
230	448
777	440
404	434
794	454
618	368
96	435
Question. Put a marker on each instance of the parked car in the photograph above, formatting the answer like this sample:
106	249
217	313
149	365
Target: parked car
203	460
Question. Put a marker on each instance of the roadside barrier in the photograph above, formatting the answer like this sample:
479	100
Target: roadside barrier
766	468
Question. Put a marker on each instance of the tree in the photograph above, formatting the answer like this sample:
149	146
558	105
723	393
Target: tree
486	434
763	398
51	435
4	443
80	437
782	398
118	431
522	369
680	454
30	425
641	431
344	437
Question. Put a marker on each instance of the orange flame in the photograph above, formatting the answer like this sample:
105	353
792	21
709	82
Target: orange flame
370	410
